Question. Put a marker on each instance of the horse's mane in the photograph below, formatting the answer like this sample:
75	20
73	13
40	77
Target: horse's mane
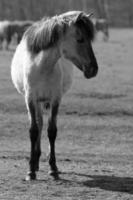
46	32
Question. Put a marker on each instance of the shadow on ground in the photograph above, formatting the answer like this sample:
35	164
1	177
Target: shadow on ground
109	183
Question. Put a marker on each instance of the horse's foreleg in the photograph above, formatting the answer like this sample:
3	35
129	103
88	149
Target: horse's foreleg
36	123
52	133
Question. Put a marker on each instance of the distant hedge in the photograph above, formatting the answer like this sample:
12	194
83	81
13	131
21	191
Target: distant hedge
118	12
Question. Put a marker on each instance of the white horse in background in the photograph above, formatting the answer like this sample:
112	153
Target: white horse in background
41	71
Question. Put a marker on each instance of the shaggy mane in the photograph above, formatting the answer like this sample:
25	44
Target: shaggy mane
46	32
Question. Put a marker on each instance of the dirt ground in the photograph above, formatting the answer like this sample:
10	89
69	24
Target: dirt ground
94	147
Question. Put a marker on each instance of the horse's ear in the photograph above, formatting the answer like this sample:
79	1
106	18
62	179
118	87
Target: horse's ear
78	17
89	15
83	21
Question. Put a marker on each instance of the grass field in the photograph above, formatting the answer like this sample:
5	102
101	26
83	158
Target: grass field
95	132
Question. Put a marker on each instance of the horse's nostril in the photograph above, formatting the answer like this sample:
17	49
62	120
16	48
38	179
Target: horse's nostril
92	72
95	71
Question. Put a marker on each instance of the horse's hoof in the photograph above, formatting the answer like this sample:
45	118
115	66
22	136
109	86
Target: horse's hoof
54	173
37	168
30	176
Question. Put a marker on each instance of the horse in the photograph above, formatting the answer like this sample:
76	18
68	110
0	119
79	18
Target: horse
102	26
4	33
10	28
41	71
19	27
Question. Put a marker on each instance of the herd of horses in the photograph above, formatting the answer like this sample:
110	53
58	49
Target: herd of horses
42	70
11	29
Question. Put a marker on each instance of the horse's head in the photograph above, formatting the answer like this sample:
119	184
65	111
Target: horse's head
76	43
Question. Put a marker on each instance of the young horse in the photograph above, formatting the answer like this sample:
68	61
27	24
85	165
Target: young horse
42	71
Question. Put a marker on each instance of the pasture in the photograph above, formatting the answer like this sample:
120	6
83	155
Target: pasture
94	146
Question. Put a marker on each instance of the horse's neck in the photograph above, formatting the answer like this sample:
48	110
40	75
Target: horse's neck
47	60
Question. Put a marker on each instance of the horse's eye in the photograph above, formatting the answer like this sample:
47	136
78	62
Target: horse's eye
81	40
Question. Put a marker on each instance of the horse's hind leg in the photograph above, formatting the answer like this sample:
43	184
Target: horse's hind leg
1	43
8	41
52	133
36	123
106	34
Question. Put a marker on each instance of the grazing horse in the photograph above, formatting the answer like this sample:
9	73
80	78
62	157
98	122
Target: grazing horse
41	71
19	27
4	33
9	28
102	26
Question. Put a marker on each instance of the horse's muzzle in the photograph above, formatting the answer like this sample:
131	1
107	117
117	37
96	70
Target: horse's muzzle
91	72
